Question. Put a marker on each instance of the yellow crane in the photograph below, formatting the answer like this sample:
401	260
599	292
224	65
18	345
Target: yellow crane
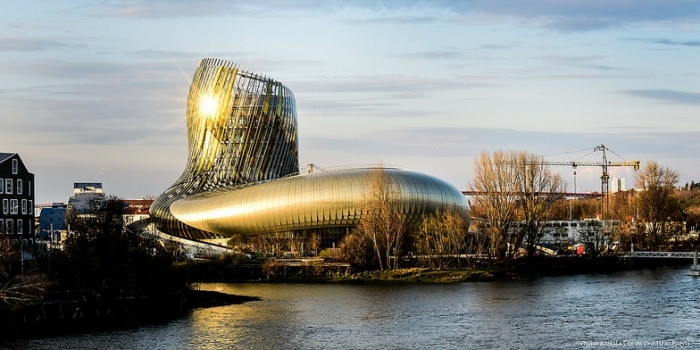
605	178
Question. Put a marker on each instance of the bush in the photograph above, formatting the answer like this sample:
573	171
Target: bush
358	251
329	253
270	268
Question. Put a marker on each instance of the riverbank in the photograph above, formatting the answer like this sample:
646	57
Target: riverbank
561	312
206	299
94	314
88	313
516	269
422	275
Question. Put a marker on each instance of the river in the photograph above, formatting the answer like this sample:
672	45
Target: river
651	308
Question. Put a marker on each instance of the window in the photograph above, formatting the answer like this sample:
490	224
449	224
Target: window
5	206
8	186
2	186
2	226
30	207
19	186
15	166
13	206
9	226
24	207
20	229
30	188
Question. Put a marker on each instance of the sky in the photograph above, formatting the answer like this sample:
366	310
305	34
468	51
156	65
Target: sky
95	91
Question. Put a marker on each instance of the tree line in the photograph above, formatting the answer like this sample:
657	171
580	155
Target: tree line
519	196
383	239
101	254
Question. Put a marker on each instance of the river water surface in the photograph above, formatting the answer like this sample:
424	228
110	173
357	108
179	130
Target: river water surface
653	308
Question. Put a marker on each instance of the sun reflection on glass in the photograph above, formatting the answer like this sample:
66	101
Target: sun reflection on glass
208	105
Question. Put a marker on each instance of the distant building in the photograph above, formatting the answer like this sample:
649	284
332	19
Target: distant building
83	194
52	222
136	209
87	187
617	185
559	234
17	197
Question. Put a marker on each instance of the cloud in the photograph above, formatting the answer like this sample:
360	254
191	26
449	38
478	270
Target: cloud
30	44
166	54
668	96
206	8
603	67
450	142
694	43
569	16
585	62
60	69
96	103
247	59
395	20
664	41
412	87
568	24
448	54
581	15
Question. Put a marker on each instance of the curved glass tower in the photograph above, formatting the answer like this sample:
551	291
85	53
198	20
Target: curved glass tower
241	128
242	174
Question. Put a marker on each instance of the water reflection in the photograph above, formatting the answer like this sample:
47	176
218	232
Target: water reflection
549	312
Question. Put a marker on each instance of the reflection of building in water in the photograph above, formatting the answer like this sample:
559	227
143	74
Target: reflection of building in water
242	173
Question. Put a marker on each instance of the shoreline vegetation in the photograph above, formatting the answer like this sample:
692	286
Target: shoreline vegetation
516	269
84	312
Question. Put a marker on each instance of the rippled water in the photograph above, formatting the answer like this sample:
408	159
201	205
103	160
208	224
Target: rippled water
634	309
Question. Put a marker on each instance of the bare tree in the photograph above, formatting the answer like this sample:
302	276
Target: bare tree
596	236
314	243
539	187
658	209
495	177
477	238
271	243
17	289
23	289
441	238
382	221
517	195
294	243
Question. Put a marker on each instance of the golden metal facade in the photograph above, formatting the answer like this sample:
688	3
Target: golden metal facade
241	128
240	175
326	199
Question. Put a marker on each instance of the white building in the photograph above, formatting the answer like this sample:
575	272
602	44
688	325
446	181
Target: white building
567	233
617	185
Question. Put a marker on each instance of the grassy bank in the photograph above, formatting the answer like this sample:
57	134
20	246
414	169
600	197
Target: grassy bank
420	275
516	269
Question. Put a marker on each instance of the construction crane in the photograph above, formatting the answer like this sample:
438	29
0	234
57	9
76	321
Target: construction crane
605	178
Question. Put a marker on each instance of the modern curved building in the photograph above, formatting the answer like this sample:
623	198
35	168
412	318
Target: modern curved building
242	174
